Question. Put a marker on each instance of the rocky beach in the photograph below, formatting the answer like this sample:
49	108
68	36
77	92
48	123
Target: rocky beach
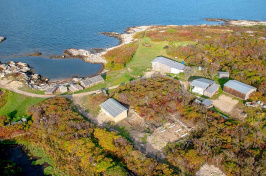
97	57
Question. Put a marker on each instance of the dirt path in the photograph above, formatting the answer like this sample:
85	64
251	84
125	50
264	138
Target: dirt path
14	86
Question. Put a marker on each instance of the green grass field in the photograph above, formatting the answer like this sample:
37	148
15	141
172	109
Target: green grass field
140	63
17	105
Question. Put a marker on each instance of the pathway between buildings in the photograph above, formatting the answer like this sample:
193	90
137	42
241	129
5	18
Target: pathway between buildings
14	88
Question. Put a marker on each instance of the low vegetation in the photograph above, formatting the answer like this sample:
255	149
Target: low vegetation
235	147
119	57
77	147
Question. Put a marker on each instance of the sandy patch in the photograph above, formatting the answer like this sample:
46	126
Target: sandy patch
168	133
209	170
225	103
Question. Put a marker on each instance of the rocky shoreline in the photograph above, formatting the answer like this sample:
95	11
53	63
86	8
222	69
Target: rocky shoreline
22	72
97	55
238	22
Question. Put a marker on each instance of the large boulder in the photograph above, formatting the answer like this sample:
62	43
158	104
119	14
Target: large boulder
72	52
2	39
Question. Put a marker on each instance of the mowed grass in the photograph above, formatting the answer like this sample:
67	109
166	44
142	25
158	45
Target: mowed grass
30	90
17	104
140	63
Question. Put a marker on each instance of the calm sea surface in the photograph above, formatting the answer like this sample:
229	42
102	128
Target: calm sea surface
51	26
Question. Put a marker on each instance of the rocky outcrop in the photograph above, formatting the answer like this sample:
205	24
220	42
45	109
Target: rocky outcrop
2	39
85	55
245	23
238	22
21	72
98	57
114	34
35	54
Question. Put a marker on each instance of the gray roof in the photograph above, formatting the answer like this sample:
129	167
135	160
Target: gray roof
73	88
86	82
93	80
239	86
112	107
96	79
170	63
202	83
207	102
51	89
213	88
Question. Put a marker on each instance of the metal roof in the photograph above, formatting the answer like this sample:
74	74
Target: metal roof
239	86
92	80
202	83
73	87
112	107
96	79
51	89
86	82
170	63
213	88
207	102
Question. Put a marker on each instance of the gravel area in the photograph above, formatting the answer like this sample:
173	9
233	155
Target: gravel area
225	103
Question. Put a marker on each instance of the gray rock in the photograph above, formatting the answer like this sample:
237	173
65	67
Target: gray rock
2	39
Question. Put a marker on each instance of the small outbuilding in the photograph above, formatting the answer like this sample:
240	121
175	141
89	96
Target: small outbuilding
204	87
62	89
207	103
74	88
164	65
224	75
239	89
50	91
114	109
88	82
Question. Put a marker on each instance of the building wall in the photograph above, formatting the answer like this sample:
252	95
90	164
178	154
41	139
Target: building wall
121	116
161	68
208	94
176	71
248	94
198	90
234	92
118	118
226	76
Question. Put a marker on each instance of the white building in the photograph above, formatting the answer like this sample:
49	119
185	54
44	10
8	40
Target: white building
204	86
164	65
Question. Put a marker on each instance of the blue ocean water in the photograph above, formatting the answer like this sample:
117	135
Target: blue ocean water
51	26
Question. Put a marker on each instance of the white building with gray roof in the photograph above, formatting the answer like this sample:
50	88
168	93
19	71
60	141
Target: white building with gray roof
239	89
204	87
164	65
114	110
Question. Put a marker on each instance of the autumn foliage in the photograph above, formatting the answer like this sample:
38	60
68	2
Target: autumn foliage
118	58
78	147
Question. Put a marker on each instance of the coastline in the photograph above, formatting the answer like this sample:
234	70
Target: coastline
127	37
96	55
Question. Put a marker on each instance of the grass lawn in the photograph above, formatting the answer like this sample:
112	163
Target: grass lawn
139	64
30	90
17	104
